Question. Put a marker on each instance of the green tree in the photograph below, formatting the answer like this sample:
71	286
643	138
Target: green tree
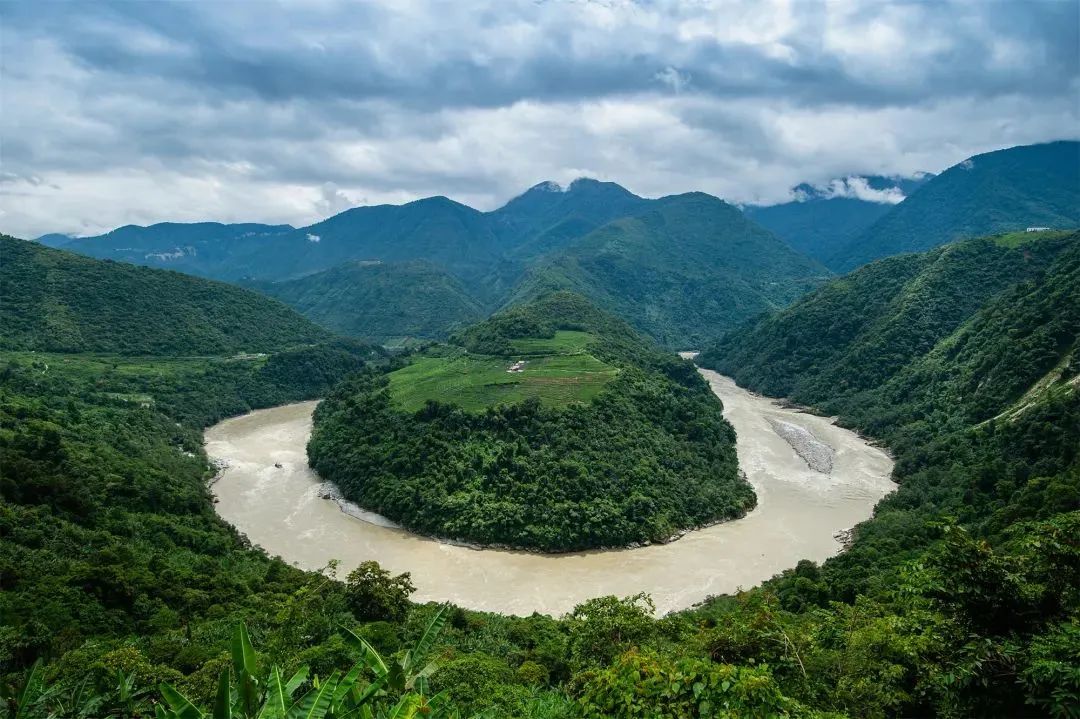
374	594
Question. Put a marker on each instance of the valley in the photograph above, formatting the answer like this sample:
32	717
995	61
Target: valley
546	487
799	511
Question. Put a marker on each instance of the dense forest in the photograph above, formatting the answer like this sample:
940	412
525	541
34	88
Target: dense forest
381	301
649	455
56	301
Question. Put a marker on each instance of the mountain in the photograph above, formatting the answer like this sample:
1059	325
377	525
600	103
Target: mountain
822	219
687	268
680	268
54	239
199	248
381	300
1002	191
484	249
544	429
435	229
58	301
548	216
945	338
964	361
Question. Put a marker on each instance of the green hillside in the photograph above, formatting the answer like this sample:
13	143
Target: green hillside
56	301
599	441
1002	191
931	336
686	269
381	301
557	371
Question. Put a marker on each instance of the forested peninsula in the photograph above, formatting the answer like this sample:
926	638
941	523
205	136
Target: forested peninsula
551	426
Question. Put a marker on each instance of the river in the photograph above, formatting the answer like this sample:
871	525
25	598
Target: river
799	512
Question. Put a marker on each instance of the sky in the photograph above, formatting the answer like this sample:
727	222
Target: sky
116	113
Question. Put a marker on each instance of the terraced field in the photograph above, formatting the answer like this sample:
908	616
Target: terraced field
557	371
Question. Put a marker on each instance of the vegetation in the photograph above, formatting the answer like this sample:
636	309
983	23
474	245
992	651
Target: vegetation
56	301
557	371
677	268
381	301
1002	191
599	453
912	346
124	596
679	271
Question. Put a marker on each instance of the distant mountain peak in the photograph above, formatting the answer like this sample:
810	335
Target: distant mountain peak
546	186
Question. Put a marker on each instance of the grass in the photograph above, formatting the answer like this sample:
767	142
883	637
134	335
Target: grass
558	372
564	342
1016	239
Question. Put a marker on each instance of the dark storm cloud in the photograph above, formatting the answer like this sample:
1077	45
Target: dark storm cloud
251	110
269	51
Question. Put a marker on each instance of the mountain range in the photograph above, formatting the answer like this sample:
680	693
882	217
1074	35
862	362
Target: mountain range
681	268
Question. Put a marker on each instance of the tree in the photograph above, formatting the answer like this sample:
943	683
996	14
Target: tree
374	594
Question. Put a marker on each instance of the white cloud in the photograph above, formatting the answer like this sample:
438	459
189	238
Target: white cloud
859	189
165	111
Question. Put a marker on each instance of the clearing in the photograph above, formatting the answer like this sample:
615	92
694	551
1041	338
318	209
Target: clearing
558	371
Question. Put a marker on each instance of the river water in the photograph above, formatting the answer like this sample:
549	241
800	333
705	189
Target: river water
799	511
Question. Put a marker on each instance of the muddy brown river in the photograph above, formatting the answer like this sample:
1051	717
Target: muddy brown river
799	512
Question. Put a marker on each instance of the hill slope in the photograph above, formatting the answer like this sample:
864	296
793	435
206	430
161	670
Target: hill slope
57	301
380	300
1002	191
559	429
687	268
942	339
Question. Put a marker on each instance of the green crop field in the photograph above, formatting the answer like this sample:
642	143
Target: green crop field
564	342
557	371
1015	239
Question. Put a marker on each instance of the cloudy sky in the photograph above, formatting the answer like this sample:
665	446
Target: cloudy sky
138	112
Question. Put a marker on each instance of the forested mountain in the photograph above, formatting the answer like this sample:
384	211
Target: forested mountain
381	300
548	216
823	219
871	344
680	268
559	430
688	267
1002	191
57	301
464	241
206	249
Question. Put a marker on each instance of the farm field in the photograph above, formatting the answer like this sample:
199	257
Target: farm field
557	371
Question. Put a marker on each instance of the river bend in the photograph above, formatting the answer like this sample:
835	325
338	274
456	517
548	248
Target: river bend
267	491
